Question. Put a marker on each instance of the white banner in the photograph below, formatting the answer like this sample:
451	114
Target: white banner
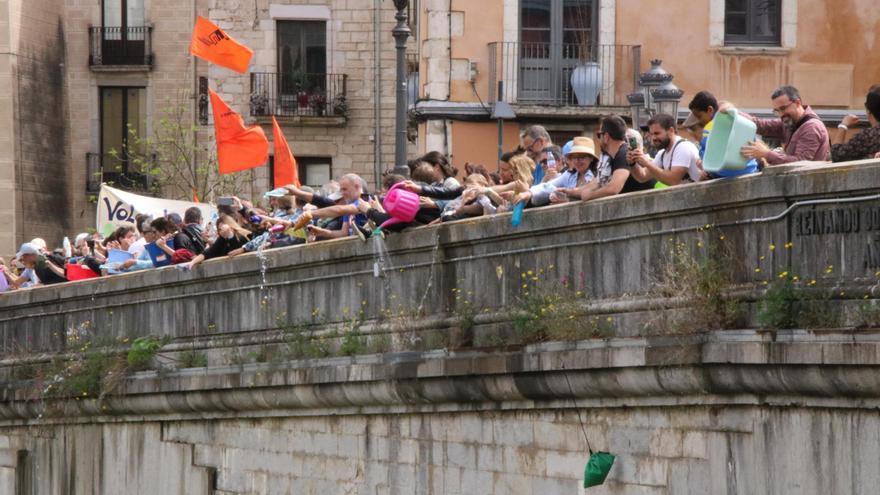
116	207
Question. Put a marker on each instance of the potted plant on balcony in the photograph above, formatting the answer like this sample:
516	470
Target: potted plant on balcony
318	102
586	77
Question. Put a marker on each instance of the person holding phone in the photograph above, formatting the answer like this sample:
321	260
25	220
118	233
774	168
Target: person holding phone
677	160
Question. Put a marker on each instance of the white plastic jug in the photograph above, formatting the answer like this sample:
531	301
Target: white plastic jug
730	132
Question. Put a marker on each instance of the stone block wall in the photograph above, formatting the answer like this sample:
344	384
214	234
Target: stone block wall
37	141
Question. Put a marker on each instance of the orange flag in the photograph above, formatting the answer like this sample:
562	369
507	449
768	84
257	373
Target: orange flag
238	147
285	163
212	44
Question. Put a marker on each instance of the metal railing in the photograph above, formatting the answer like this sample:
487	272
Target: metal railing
562	74
298	94
114	172
120	46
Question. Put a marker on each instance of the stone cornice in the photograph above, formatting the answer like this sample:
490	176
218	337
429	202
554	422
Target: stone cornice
836	369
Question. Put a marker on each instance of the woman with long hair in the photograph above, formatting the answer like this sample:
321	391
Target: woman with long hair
230	236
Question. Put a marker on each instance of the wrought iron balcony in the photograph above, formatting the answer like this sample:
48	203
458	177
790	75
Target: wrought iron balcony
113	172
298	95
113	47
549	74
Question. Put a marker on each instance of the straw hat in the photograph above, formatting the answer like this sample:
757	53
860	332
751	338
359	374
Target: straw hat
583	146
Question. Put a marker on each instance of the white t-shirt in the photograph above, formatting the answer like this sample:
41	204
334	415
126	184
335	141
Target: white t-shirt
684	154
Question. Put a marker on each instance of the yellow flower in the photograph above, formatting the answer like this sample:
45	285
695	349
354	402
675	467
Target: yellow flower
772	247
764	282
609	319
757	270
783	274
795	278
813	282
761	258
721	237
525	286
699	243
579	293
530	273
789	245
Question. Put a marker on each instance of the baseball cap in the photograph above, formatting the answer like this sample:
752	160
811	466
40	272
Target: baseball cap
27	248
276	193
336	196
690	121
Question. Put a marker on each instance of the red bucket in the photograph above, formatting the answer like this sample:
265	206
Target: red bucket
79	272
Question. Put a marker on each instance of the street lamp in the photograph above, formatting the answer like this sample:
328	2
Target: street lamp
655	94
401	32
666	98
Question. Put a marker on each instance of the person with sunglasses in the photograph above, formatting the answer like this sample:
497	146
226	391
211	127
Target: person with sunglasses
804	136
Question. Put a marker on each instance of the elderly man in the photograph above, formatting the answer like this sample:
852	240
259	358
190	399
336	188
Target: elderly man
39	268
804	136
351	188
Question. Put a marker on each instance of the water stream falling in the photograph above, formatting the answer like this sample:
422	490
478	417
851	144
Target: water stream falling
264	265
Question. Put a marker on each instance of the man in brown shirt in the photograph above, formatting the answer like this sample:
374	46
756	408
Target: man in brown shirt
804	136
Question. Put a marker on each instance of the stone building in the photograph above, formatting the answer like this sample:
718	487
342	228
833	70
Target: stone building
80	73
523	52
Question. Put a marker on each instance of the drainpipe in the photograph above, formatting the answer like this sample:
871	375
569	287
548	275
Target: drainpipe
195	99
377	95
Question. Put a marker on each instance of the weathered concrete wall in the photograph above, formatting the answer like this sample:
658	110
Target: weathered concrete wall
38	98
483	263
730	413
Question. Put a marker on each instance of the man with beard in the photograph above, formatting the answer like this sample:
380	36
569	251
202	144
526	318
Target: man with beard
804	136
677	159
613	174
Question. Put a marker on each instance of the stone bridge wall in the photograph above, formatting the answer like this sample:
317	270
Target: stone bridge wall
723	412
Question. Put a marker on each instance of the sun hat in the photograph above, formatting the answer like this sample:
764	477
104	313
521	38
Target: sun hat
583	146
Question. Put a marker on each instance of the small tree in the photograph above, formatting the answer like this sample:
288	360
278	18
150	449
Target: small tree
178	163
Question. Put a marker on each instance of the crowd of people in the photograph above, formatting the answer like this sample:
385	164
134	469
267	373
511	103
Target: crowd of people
616	160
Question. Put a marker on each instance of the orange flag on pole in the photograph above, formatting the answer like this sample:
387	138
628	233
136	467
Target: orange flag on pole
238	147
212	44
285	163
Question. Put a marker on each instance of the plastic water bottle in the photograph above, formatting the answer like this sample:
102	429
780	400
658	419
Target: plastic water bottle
68	251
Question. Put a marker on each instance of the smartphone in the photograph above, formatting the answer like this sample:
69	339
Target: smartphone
225	201
633	143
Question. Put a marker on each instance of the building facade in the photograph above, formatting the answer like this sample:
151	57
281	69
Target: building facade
525	52
89	78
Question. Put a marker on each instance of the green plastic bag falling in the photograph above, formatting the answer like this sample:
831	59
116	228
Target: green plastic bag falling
597	468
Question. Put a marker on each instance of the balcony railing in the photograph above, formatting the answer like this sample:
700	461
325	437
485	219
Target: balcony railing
111	46
114	172
542	73
298	94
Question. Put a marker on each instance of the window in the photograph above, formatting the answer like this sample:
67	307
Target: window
123	39
313	171
752	22
123	118
302	55
555	36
